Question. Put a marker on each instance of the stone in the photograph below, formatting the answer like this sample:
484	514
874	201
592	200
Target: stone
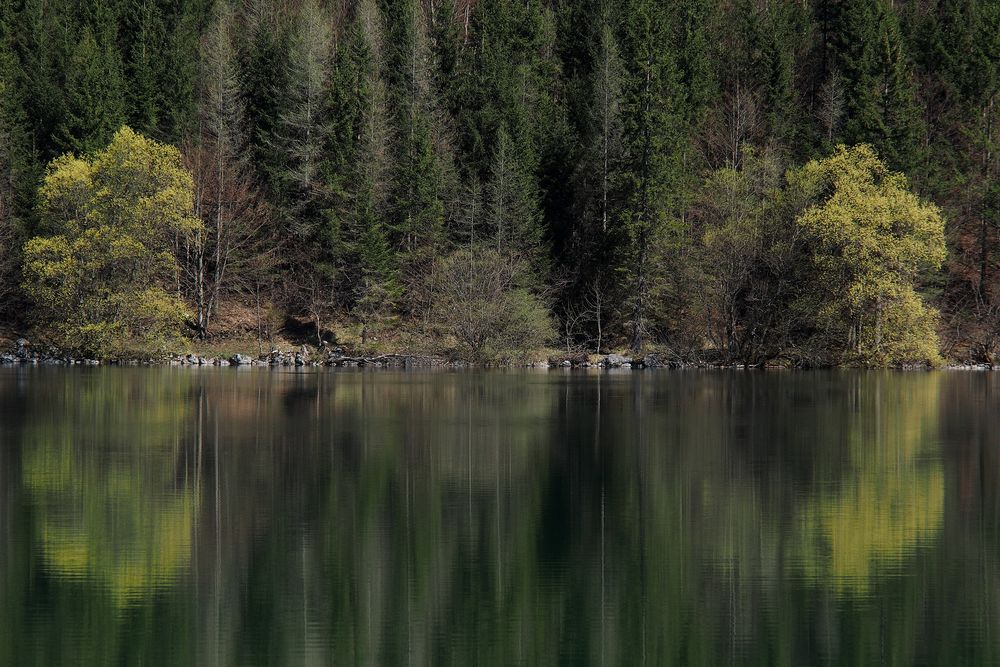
616	360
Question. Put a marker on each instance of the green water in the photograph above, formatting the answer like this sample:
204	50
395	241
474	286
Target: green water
201	517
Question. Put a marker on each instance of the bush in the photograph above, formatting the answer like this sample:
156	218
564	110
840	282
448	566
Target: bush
480	300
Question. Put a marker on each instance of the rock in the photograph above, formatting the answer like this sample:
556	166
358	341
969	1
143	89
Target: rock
652	361
574	359
240	360
7	358
616	361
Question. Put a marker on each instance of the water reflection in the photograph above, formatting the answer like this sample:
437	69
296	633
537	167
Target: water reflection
225	517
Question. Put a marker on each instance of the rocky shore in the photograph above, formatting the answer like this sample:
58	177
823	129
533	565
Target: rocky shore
24	352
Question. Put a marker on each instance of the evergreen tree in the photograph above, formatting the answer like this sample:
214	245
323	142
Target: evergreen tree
43	51
94	97
871	57
176	77
303	126
512	212
143	85
301	171
446	47
17	173
598	185
224	249
418	209
263	79
361	147
653	141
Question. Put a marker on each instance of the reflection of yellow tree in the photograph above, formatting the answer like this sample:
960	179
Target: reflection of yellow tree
892	501
109	508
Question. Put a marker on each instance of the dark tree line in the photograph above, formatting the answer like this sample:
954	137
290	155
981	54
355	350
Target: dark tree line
347	153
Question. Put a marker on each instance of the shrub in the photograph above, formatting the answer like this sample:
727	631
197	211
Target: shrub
481	301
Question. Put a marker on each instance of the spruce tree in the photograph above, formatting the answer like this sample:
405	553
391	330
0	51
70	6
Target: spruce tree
303	126
870	55
653	142
512	212
17	173
598	233
446	47
225	247
43	45
94	107
263	56
176	76
417	206
146	26
360	145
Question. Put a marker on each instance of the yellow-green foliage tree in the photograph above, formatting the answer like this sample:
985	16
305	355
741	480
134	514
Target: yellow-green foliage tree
100	280
868	237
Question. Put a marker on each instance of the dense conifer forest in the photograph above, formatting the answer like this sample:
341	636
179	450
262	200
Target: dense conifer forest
749	181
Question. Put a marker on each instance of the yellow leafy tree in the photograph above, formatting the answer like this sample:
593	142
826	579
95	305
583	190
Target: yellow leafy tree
99	280
869	237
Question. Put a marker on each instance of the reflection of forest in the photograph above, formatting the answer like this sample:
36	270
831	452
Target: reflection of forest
495	519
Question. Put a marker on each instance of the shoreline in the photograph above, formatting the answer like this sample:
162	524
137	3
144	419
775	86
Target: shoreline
23	354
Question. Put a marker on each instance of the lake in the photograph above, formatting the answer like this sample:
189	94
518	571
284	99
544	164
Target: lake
222	517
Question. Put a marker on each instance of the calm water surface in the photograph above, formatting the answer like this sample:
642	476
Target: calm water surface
216	516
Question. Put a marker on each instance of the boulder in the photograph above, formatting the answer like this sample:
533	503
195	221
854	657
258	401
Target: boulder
574	359
617	361
240	360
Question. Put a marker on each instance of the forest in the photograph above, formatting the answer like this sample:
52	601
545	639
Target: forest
800	182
